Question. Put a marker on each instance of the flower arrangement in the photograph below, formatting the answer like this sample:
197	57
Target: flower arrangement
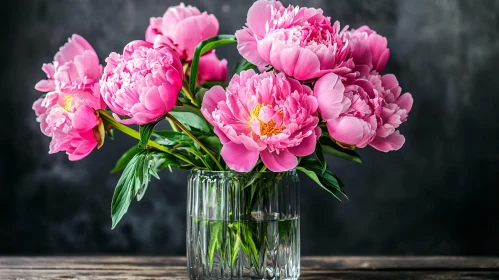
305	87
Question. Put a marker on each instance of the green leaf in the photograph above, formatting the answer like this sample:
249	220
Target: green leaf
163	160
243	65
212	142
133	182
110	134
125	158
172	138
192	156
320	156
183	99
201	49
330	147
191	120
148	169
145	133
210	84
200	96
188	108
128	185
234	230
327	180
214	232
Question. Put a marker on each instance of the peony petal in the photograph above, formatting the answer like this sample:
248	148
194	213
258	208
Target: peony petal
210	102
71	49
247	46
302	64
134	45
250	143
84	119
238	158
211	68
151	33
266	113
152	100
389	81
259	15
382	61
306	147
45	85
223	138
361	54
329	91
168	96
281	162
38	107
347	129
87	65
380	53
405	102
391	143
176	14
192	30
82	150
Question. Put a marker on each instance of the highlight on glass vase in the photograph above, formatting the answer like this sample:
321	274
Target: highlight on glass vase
304	88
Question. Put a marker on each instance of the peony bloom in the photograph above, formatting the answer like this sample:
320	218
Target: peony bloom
67	112
394	110
182	28
298	41
267	116
365	112
348	110
211	68
75	130
143	83
369	50
76	67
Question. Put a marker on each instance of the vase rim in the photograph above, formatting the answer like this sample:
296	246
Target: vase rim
203	171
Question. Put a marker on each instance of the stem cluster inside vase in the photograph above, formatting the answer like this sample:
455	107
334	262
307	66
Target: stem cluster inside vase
243	226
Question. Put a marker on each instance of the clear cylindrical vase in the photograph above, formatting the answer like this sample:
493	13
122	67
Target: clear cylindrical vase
243	225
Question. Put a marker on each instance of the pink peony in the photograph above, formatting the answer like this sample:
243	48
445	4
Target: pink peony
143	83
77	131
267	116
394	110
348	110
367	111
67	112
76	67
182	28
298	41
369	50
211	68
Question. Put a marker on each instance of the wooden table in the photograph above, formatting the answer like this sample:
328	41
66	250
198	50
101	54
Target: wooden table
323	268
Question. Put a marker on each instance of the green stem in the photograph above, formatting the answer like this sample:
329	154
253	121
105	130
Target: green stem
189	95
182	127
174	127
135	134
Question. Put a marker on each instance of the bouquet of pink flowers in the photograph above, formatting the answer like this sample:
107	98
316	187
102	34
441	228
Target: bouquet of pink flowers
305	87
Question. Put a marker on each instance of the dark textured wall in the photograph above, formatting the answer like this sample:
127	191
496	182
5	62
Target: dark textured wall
438	195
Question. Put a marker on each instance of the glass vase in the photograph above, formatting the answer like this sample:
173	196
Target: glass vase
243	225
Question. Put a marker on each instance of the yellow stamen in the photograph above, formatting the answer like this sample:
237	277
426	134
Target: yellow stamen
267	129
67	102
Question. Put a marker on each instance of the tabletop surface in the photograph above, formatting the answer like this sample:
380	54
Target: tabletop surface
311	268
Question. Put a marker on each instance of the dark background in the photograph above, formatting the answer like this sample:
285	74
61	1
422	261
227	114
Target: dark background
437	195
